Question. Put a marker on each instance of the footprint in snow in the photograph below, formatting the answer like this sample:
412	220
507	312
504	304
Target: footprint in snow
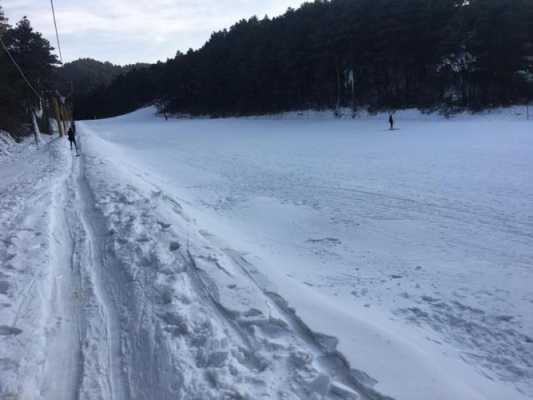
4	287
326	241
164	225
9	330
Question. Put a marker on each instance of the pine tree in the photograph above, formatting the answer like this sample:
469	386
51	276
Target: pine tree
3	22
32	52
34	55
8	100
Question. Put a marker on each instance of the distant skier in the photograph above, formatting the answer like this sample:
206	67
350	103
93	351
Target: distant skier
166	116
391	122
72	137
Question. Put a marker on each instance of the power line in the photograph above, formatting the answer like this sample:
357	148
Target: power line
19	69
57	32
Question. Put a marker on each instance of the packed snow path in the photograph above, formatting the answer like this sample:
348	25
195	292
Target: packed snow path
160	266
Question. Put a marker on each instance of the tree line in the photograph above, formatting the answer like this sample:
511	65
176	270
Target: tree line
85	76
35	57
377	54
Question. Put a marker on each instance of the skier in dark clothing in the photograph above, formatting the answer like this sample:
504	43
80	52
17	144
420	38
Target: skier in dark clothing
391	122
72	137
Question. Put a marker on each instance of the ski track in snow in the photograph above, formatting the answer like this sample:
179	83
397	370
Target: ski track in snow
110	289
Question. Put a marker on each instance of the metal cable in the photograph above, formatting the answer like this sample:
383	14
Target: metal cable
57	33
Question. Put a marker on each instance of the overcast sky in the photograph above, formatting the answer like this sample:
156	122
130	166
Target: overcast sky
128	31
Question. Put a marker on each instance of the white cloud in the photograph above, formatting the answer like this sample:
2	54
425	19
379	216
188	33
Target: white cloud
126	31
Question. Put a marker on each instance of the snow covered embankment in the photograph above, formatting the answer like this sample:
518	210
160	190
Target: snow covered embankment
193	319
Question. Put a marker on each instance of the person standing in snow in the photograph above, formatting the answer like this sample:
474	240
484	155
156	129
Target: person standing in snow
391	122
72	137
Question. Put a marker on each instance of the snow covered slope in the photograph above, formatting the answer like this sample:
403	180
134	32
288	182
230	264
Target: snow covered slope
259	258
413	248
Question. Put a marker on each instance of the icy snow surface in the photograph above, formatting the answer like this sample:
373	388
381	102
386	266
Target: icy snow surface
298	257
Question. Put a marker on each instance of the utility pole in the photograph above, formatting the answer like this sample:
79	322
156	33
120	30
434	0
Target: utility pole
36	131
58	116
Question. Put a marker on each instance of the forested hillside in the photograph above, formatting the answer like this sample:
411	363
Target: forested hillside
34	55
380	54
84	76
